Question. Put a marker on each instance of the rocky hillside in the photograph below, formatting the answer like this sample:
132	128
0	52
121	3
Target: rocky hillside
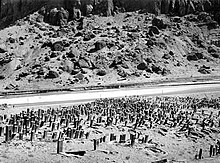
56	48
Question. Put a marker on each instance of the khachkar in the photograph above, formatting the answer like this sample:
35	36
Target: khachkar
131	116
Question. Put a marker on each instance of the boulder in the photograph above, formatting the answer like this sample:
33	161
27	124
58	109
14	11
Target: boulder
40	18
142	66
82	24
75	71
212	49
177	19
73	53
181	7
88	36
156	69
104	7
159	22
2	77
76	14
101	72
171	53
62	17
109	8
54	54
125	65
100	45
67	66
204	70
3	48
58	46
195	56
153	30
42	11
47	43
11	87
165	72
53	16
76	10
23	74
203	16
166	56
5	58
52	75
79	76
215	55
58	17
121	72
117	61
84	64
40	72
89	9
11	40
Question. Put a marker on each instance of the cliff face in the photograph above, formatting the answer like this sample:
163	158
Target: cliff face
177	7
180	7
10	10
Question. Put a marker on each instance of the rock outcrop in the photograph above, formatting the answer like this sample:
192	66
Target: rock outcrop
11	10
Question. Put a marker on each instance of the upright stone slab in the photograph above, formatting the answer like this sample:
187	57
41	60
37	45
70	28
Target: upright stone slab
81	134
45	135
87	135
59	146
1	131
122	138
146	138
1	118
211	151
54	135
58	126
104	138
68	132
20	136
132	137
67	123
76	134
32	136
111	136
72	133
91	123
60	136
95	144
8	133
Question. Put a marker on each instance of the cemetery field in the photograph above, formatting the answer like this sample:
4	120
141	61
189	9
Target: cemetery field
174	128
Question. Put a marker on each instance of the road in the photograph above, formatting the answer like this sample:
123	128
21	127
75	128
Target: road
79	97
